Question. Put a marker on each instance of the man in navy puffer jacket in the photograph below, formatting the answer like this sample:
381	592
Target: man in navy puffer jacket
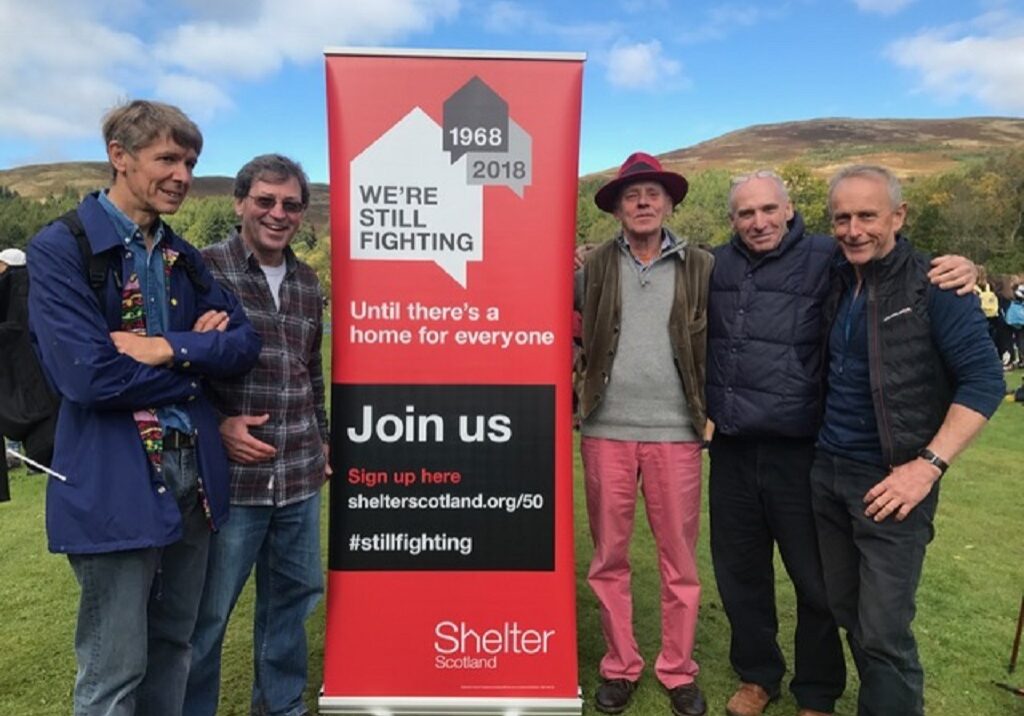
764	394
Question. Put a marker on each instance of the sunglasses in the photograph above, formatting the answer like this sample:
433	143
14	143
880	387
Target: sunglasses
760	174
267	203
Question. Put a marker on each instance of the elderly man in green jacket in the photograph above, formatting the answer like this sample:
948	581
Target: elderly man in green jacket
640	379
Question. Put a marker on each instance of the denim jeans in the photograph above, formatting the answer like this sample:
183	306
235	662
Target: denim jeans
284	545
137	612
872	570
760	497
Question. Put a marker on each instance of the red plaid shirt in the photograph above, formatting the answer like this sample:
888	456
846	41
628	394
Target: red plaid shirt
287	382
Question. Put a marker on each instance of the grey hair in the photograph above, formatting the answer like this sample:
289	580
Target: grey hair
273	168
739	181
873	171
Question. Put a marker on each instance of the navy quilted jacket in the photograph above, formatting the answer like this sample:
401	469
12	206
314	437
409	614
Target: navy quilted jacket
764	335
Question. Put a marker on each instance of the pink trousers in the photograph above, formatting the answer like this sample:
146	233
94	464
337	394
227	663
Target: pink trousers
669	475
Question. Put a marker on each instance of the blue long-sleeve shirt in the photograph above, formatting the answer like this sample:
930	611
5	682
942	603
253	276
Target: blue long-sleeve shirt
960	334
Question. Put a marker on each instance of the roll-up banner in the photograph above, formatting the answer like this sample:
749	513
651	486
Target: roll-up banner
451	586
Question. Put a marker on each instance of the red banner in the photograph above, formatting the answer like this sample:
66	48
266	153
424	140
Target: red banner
451	583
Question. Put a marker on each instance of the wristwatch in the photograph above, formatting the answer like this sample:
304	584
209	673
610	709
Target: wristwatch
928	456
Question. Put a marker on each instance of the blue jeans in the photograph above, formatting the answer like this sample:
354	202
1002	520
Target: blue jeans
137	611
284	545
872	570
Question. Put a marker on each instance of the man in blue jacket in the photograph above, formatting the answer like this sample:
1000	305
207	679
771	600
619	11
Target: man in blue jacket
144	475
912	378
764	395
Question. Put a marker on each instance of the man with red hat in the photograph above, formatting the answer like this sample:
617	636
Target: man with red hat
640	380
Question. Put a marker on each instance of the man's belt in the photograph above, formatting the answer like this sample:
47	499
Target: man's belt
175	440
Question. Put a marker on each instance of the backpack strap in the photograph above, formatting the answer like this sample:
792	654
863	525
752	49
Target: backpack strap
96	266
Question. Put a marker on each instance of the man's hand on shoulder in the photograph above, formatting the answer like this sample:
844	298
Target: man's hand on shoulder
901	491
211	321
951	271
580	255
151	350
240	445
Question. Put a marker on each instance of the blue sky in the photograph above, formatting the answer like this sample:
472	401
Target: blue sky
660	75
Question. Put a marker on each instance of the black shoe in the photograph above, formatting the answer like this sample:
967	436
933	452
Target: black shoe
613	695
687	700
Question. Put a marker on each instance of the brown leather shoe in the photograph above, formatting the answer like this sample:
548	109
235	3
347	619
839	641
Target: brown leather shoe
749	700
812	712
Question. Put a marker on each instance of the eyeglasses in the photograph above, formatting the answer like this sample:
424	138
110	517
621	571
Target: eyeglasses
759	174
269	202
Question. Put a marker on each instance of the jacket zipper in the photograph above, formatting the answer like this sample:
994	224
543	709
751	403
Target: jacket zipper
875	368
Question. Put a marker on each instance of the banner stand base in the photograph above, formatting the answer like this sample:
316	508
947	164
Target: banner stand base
440	706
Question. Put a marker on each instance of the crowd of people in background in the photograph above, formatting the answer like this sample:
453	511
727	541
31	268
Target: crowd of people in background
1002	301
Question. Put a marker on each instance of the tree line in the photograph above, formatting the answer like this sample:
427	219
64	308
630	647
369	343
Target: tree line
976	210
202	221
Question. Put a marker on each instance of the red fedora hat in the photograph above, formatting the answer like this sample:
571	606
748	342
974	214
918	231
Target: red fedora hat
640	167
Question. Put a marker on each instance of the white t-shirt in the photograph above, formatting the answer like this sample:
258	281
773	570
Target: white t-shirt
275	275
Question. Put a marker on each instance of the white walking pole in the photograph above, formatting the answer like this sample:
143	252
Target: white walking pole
36	465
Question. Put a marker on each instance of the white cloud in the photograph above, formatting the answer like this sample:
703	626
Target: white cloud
983	60
642	66
226	10
198	98
62	70
275	32
882	7
66	62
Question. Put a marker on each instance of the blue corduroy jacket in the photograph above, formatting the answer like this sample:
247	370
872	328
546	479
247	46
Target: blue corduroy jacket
113	500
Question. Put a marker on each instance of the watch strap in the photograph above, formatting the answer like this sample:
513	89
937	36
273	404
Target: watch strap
928	456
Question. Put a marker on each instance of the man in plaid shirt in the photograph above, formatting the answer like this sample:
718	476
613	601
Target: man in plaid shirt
274	428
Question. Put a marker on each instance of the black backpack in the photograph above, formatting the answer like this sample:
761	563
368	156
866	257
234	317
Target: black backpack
28	404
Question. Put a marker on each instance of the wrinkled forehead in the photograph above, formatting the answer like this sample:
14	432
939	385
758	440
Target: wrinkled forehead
865	189
167	142
758	191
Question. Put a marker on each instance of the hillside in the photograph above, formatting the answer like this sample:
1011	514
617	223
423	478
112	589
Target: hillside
37	181
911	147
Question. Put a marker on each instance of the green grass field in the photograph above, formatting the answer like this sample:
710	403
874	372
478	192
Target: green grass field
967	603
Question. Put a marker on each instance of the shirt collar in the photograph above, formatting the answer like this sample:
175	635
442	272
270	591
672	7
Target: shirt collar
245	254
670	244
127	230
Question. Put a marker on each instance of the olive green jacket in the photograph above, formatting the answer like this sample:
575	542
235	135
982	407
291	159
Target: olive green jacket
602	316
